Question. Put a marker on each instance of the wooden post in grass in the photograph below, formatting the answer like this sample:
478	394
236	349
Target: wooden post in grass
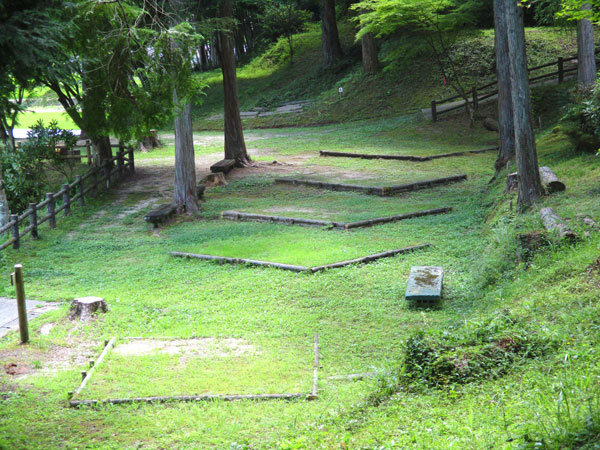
561	73
51	208
107	173
95	181
131	162
33	220
80	190
17	279
314	392
120	162
433	111
14	218
67	199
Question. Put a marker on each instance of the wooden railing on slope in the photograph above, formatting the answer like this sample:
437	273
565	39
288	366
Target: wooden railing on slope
480	93
97	176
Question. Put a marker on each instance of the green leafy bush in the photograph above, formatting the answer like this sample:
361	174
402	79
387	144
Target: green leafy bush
25	168
582	121
480	350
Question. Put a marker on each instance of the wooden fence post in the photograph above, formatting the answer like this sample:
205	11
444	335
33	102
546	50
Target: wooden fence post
80	190
561	73
17	279
107	170
67	199
475	99
33	220
120	163
88	152
131	163
15	230
433	111
51	208
95	181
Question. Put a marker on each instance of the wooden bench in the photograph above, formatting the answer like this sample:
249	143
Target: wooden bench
225	165
160	214
424	285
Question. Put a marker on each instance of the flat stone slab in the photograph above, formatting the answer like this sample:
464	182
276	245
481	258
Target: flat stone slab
424	284
9	316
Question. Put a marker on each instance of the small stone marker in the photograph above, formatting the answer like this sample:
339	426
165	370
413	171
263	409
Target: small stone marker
424	285
84	307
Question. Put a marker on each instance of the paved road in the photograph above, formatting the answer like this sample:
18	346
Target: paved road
9	315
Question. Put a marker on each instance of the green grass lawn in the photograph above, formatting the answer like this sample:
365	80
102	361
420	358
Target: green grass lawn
106	249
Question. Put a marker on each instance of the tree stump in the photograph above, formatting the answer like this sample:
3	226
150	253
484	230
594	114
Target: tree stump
84	307
150	141
529	244
512	181
491	124
214	179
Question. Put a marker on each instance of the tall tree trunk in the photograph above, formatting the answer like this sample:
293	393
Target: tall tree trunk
530	186
332	49
184	194
586	67
505	112
4	209
369	54
101	149
235	147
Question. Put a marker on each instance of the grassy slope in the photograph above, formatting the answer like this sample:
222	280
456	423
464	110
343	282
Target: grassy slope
410	79
358	311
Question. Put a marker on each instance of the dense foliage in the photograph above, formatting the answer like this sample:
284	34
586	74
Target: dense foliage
26	167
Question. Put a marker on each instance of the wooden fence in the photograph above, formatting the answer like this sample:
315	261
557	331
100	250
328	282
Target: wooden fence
115	169
564	66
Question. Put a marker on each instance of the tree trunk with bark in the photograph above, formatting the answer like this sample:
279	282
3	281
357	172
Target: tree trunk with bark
530	186
184	194
332	49
101	149
586	67
505	113
235	147
369	55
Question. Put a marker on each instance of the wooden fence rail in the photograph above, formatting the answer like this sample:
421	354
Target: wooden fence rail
29	221
480	93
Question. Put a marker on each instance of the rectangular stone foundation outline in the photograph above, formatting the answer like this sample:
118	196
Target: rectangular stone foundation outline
294	268
404	157
240	216
375	190
109	345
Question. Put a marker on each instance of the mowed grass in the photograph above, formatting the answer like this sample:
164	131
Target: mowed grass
359	312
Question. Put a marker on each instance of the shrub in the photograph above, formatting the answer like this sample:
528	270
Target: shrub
582	121
25	168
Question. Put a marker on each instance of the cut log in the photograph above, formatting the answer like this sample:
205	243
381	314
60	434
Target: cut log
223	166
424	285
550	181
84	307
213	180
200	191
160	214
556	224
